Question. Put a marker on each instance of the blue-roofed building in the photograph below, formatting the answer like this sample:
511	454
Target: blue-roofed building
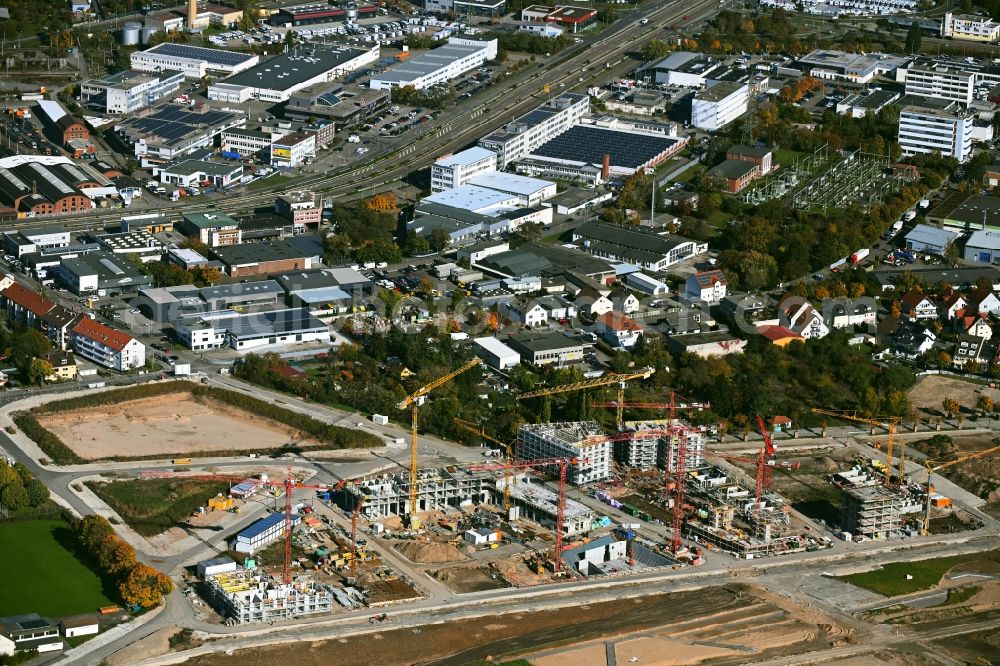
927	238
265	531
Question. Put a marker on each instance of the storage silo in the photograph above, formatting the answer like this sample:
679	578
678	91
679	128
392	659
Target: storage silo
130	34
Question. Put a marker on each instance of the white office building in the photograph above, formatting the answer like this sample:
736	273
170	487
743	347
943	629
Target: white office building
942	129
439	65
529	191
195	61
455	170
520	137
583	440
130	91
970	27
717	106
941	82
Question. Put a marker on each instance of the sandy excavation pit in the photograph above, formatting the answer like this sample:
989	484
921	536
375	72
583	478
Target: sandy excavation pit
176	424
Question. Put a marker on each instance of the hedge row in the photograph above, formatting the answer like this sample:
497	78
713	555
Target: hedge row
48	442
100	398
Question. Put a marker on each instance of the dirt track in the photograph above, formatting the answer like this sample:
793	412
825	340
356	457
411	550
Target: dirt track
173	424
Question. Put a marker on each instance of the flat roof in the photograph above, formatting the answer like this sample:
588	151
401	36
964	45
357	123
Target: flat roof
536	342
509	182
191	167
428	63
495	347
254	253
589	144
293	68
210	56
471	197
719	91
466	157
172	124
264	524
209	220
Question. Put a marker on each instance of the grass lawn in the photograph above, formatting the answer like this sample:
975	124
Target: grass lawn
891	580
42	575
786	157
269	181
689	174
151	506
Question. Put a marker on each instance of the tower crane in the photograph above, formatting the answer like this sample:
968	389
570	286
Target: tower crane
887	422
563	464
767	451
620	405
354	535
508	457
288	484
607	380
414	401
935	467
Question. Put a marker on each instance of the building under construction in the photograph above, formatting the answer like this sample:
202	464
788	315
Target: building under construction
648	453
872	512
455	487
583	440
251	595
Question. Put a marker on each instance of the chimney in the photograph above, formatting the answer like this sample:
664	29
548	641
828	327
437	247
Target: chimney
605	167
192	13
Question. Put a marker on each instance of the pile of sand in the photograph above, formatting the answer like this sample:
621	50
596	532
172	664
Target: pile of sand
828	464
430	553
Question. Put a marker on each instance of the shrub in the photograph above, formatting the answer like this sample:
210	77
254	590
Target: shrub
51	445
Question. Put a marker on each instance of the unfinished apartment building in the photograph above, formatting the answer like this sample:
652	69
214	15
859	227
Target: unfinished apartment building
582	440
441	488
649	453
872	511
244	596
729	519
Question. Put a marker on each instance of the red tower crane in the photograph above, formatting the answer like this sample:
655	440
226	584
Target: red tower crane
354	535
766	456
288	484
563	463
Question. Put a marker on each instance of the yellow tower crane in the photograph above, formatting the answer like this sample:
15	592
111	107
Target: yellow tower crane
508	456
607	380
414	401
936	467
887	422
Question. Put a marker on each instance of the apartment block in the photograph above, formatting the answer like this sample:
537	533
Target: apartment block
668	451
941	128
970	27
582	440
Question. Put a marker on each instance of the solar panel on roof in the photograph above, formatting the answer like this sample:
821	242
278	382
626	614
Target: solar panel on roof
591	144
200	53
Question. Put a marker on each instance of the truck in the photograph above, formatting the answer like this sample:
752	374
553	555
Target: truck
836	266
182	369
859	256
909	215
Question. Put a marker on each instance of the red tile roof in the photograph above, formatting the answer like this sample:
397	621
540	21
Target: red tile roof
106	335
618	322
774	333
31	301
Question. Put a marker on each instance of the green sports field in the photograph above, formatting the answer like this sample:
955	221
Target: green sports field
42	575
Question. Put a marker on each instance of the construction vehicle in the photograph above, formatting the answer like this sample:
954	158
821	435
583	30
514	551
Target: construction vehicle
889	423
607	380
932	467
563	464
414	401
381	617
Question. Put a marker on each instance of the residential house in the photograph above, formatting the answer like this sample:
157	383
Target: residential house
979	327
918	305
707	287
107	346
629	305
556	308
32	310
779	336
706	344
31	632
618	330
592	303
527	311
63	366
801	317
678	318
968	349
7	646
911	340
952	303
846	314
779	423
984	301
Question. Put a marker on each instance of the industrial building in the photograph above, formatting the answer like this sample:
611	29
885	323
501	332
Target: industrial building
718	105
481	200
646	248
97	272
853	67
171	131
983	246
46	185
248	259
212	229
542	349
438	488
582	440
249	595
871	511
683	68
167	304
529	191
20	243
139	243
496	354
195	62
455	170
311	13
439	65
277	79
191	173
251	331
129	91
522	136
342	104
944	128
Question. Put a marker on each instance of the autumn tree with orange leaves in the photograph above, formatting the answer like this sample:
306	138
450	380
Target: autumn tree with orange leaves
144	586
381	203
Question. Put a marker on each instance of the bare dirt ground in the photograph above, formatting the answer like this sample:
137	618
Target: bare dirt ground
928	393
174	424
463	579
429	553
689	618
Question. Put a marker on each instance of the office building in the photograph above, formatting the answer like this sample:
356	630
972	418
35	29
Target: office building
939	128
683	68
277	79
522	136
251	331
542	349
304	209
192	173
98	272
853	67
717	106
455	170
129	91
293	150
941	82
970	27
582	440
196	62
439	65
212	229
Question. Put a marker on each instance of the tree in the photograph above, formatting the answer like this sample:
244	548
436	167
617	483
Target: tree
654	49
913	38
7	474
115	556
209	275
92	530
426	285
14	496
416	244
984	403
382	203
144	586
950	405
38	493
439	239
38	370
28	345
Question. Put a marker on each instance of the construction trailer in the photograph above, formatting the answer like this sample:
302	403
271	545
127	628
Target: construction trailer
872	512
244	596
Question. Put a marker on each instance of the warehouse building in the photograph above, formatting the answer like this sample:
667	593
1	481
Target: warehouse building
195	62
542	349
496	354
438	65
248	259
253	331
646	248
277	79
481	200
683	68
529	191
582	440
129	91
166	304
190	173
320	12
262	533
522	136
172	131
317	288
98	272
983	246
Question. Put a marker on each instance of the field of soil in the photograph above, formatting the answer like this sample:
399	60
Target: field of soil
172	425
928	393
464	579
747	617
